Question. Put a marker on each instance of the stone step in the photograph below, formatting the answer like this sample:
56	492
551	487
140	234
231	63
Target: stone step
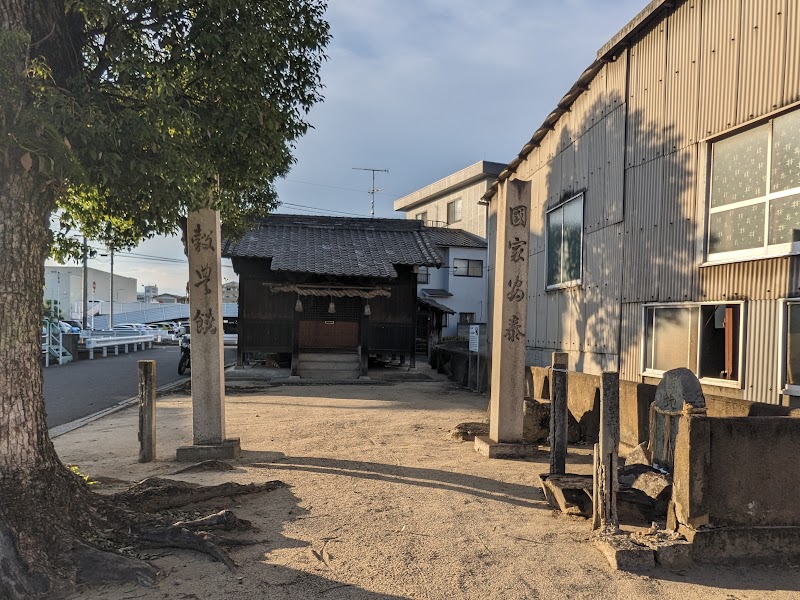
329	375
329	358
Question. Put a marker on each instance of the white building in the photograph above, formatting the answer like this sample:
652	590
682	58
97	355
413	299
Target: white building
461	283
454	201
63	287
457	220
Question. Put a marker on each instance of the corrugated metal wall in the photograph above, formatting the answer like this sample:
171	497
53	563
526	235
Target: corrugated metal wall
632	142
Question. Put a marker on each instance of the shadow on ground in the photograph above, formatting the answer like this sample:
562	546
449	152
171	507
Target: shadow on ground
481	487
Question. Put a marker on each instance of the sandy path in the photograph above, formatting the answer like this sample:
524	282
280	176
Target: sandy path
383	505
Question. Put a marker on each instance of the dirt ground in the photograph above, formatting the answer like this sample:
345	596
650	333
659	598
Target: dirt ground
381	504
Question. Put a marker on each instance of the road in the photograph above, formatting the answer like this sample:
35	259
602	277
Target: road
82	388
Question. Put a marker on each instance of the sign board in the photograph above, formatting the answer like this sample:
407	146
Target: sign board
474	336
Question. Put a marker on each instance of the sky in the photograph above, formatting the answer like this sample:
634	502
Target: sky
422	88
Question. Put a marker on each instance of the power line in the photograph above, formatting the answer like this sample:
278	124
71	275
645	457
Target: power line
334	187
314	208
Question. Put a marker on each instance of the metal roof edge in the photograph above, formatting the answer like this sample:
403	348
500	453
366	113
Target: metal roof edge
646	17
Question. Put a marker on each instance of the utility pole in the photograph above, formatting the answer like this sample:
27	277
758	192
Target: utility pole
111	299
85	284
373	190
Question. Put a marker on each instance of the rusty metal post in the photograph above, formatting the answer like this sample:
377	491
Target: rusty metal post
559	416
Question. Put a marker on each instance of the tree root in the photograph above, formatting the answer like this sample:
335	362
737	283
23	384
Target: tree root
17	582
224	519
207	465
179	537
95	566
156	494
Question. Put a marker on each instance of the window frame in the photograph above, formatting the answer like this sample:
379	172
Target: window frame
426	272
573	282
454	202
767	250
462	321
455	269
783	348
421	216
657	374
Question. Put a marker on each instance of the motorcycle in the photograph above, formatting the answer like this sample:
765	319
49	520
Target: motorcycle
186	356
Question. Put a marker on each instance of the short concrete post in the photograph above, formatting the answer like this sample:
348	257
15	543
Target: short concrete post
606	484
105	352
559	415
147	410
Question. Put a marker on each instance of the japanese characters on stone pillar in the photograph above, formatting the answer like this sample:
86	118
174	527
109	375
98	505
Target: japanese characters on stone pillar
205	315
510	312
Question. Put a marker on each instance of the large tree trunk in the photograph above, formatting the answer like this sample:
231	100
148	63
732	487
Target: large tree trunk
38	496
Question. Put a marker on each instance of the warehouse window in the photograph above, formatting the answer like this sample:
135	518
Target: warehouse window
565	243
454	211
791	351
704	338
463	267
754	202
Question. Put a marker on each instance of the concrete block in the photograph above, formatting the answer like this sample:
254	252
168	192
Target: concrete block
508	450
228	449
623	554
674	555
466	432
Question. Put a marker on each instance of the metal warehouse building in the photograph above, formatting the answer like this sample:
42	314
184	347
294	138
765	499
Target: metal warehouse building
665	203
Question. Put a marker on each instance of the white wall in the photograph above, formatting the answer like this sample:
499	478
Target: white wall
469	293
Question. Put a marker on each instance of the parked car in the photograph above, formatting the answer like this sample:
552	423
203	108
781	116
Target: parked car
76	324
67	328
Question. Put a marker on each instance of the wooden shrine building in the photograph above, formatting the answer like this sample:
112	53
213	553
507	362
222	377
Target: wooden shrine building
331	289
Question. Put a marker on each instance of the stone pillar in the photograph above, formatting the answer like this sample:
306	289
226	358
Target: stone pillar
205	317
559	413
509	320
605	506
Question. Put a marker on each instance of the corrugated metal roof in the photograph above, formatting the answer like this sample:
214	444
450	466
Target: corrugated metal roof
443	236
336	245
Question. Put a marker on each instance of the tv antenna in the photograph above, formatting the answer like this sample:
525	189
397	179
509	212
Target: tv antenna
373	190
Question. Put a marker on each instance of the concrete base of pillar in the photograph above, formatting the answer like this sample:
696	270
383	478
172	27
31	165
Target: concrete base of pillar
623	554
491	449
229	449
293	377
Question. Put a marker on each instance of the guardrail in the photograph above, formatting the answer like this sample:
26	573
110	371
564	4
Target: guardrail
103	340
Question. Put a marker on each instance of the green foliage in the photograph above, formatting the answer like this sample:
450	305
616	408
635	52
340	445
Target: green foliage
177	105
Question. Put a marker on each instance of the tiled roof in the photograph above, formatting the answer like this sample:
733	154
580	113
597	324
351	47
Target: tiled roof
337	245
444	236
434	304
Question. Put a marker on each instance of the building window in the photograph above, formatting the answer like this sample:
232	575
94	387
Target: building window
754	201
423	216
466	318
704	338
791	351
423	276
454	211
463	267
565	243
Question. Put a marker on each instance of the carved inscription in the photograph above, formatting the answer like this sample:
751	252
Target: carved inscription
513	331
204	274
202	240
516	294
517	247
204	322
519	216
